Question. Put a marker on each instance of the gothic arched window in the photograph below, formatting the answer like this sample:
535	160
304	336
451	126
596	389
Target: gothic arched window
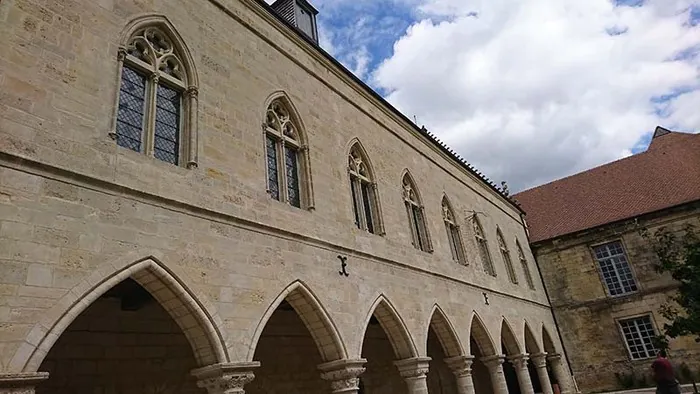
365	203
505	253
416	215
286	155
483	246
157	106
525	265
453	234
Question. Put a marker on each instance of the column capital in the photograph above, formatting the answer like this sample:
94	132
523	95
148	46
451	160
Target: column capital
21	383
460	365
554	356
416	367
494	361
225	378
519	361
343	374
539	359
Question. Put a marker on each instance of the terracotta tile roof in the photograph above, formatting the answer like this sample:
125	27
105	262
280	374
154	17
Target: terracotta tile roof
667	174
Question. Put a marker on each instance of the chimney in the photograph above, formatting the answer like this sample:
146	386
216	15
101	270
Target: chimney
300	14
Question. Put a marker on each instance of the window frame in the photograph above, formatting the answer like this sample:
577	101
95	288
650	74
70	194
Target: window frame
282	142
482	245
186	87
419	228
358	157
525	265
601	275
505	255
453	231
621	332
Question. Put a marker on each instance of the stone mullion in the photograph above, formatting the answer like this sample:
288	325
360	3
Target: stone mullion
150	114
190	131
377	217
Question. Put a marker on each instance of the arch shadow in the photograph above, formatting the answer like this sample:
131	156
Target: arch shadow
508	339
482	337
445	332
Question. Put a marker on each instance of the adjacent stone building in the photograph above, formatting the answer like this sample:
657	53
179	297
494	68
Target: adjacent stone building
598	269
194	198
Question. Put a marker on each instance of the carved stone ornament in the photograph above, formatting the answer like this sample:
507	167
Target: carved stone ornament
519	361
413	368
343	374
493	362
21	383
460	365
539	359
229	378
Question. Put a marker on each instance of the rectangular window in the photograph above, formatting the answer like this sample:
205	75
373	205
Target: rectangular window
132	93
639	334
272	175
615	269
292	176
166	142
367	204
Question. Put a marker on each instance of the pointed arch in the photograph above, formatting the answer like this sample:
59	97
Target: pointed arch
547	343
505	254
445	332
393	326
454	235
363	190
508	339
157	84
288	168
481	336
199	324
313	315
416	213
532	345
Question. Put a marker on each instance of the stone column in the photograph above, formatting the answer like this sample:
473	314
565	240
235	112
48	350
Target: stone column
225	378
520	365
21	383
540	362
498	379
461	366
414	371
343	375
561	375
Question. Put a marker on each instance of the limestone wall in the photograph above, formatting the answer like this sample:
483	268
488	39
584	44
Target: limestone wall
588	317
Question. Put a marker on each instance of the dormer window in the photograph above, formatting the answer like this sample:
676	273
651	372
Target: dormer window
300	14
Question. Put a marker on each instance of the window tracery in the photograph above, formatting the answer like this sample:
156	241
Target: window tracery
505	253
453	232
483	246
364	192
416	215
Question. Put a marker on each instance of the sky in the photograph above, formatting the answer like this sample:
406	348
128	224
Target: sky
528	91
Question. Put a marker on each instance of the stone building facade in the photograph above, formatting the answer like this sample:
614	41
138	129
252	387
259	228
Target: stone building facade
195	198
586	233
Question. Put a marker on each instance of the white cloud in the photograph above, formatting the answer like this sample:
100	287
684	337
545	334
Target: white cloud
533	90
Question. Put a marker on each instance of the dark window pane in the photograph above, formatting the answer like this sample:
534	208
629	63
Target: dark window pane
418	226
272	175
292	176
355	206
132	93
166	143
367	202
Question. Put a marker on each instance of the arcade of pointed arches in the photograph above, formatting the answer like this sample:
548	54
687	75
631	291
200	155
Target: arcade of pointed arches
475	361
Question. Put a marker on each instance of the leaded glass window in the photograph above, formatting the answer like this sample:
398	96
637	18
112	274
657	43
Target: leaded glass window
525	265
639	336
505	253
364	200
615	269
153	82
453	233
283	151
483	246
416	217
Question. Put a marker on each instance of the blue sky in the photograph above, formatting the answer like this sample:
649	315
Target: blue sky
527	90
